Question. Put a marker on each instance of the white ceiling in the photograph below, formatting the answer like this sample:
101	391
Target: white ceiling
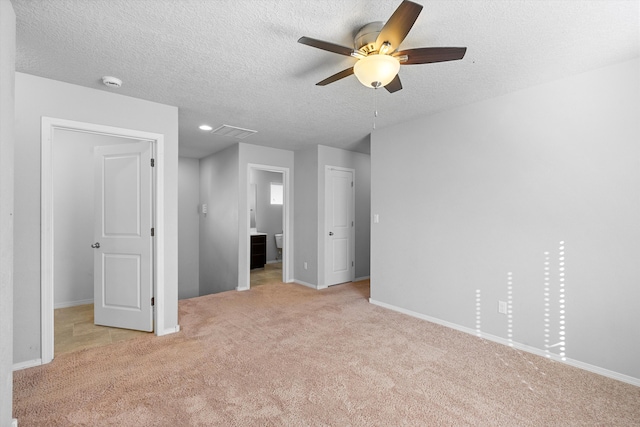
237	62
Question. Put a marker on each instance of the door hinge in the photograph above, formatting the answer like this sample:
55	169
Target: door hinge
153	301
153	232
153	162
352	183
352	264
352	223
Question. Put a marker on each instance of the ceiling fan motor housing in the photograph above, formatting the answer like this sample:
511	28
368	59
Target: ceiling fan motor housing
365	39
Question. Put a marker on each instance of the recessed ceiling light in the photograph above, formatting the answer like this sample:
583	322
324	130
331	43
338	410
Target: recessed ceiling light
205	127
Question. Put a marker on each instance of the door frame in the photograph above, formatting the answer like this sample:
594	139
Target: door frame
352	249
49	124
244	278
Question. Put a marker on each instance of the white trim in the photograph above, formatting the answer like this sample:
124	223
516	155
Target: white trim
244	278
168	331
14	423
358	279
303	283
48	125
27	364
159	238
68	304
575	363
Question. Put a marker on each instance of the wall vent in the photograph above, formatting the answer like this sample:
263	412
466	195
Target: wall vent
233	132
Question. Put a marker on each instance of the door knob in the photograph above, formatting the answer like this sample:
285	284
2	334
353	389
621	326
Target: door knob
96	245
331	233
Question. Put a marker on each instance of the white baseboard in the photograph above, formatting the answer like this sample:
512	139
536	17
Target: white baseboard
72	303
14	423
357	279
303	283
575	363
274	261
27	364
169	331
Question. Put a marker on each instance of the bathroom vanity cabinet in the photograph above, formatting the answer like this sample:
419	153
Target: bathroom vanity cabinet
258	250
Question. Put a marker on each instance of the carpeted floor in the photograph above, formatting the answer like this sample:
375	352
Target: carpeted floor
286	355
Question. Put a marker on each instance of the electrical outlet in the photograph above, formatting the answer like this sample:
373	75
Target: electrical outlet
502	307
305	265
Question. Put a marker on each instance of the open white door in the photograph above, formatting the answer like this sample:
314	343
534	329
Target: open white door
123	264
339	225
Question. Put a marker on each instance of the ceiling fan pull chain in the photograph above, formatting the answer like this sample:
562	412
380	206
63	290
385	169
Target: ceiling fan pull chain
375	107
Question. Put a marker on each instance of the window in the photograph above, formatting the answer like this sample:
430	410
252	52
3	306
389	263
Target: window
276	193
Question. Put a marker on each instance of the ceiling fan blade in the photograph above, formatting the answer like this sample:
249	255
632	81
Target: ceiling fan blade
331	47
341	75
398	26
395	85
426	55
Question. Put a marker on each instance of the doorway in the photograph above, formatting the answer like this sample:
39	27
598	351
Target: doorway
86	168
52	131
268	221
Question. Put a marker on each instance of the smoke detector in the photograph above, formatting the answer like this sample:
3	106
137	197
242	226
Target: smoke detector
111	81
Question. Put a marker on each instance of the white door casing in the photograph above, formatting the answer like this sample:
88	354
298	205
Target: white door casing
244	277
123	247
339	225
49	124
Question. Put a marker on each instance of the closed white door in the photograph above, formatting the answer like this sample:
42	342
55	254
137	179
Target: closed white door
123	257
339	226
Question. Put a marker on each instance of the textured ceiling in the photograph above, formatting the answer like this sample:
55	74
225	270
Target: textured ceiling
238	62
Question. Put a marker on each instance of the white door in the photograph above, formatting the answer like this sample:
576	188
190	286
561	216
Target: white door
123	265
339	226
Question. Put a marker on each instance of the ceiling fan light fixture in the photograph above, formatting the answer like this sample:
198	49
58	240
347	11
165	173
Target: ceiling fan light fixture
376	70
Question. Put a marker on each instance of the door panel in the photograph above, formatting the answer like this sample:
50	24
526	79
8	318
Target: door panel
123	257
121	201
122	272
338	226
340	255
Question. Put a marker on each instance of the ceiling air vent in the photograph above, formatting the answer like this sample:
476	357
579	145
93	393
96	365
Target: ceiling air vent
233	132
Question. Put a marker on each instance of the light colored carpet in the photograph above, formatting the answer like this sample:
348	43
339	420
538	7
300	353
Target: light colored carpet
286	355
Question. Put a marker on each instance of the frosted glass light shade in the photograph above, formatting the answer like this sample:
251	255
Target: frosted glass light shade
376	70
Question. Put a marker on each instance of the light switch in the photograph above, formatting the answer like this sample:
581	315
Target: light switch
376	218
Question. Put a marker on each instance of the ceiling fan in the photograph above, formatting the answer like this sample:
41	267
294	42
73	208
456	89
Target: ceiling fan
376	48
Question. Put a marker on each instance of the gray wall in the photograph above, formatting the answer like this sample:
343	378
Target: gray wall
268	216
470	195
188	228
306	216
310	205
7	68
219	228
37	97
73	227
